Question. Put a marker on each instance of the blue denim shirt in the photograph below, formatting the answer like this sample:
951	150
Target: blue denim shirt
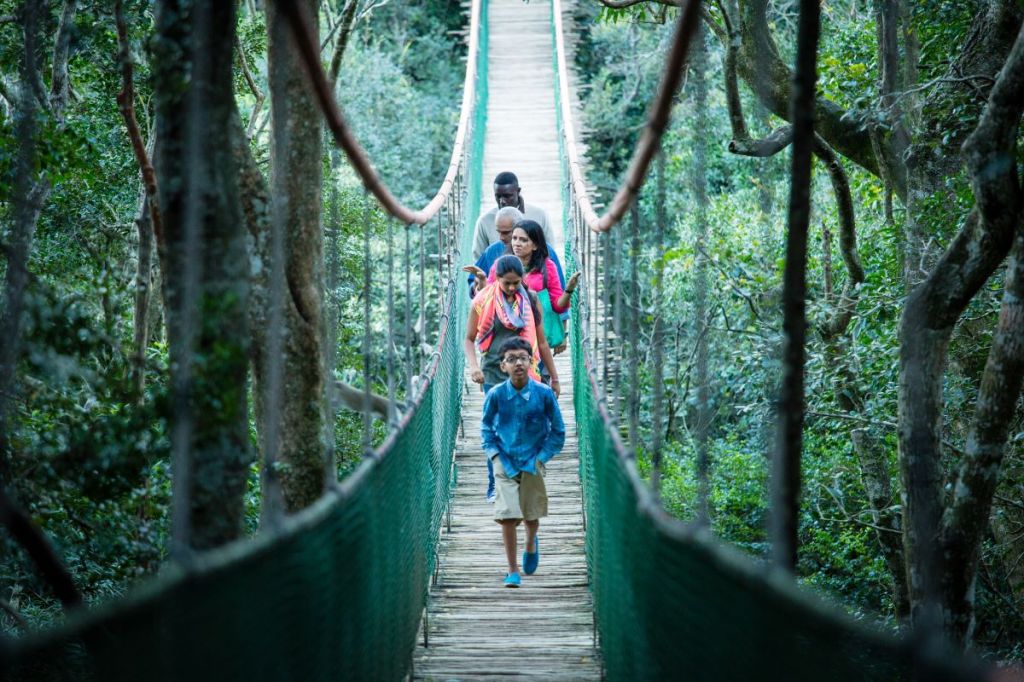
522	427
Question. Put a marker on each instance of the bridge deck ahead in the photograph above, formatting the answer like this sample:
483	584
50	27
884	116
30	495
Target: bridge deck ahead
476	628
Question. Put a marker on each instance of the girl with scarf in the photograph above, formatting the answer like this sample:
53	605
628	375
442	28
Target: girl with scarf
501	310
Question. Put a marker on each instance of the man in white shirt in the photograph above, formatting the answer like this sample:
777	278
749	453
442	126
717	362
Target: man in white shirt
506	193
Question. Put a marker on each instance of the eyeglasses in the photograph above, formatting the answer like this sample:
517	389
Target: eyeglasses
517	360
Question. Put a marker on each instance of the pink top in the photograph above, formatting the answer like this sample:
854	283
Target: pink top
535	282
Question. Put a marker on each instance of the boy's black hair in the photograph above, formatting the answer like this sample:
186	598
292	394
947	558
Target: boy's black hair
506	178
515	343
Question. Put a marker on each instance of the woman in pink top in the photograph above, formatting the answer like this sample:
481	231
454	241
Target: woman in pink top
530	246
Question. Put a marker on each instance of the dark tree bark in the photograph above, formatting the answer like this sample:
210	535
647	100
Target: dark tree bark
206	286
296	153
759	64
31	192
148	221
700	294
874	471
347	20
60	83
26	213
966	519
143	294
29	195
257	210
939	541
27	534
892	128
126	104
786	470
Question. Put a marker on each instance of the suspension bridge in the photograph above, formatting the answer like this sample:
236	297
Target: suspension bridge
396	573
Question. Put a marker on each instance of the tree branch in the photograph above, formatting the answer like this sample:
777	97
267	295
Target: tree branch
15	614
775	142
786	469
759	64
847	240
253	88
126	104
346	22
931	312
968	515
770	145
38	547
59	82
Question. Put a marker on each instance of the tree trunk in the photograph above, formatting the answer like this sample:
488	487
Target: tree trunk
967	517
60	83
206	286
143	293
702	426
760	65
27	199
786	470
874	471
935	547
296	158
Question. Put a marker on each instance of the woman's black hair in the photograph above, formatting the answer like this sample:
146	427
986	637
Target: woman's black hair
534	231
507	264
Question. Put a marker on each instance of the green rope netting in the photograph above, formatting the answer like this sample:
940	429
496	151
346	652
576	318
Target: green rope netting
338	593
673	604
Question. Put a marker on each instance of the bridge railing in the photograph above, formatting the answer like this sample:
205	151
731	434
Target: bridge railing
338	590
672	602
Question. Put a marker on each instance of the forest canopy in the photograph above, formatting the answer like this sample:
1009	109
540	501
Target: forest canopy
910	504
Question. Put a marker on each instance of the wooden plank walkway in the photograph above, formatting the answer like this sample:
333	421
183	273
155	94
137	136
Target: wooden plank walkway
476	628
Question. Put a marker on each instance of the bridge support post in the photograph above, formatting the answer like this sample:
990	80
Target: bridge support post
426	626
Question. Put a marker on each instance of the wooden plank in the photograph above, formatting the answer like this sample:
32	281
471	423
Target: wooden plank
477	628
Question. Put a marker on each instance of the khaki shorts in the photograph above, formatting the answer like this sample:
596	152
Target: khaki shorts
521	497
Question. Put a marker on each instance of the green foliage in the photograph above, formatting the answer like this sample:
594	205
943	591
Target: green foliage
839	549
90	459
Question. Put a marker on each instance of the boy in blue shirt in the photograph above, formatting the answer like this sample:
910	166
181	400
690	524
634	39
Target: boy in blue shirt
522	428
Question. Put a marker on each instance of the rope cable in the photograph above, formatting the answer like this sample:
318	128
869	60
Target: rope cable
392	409
422	317
657	120
606	303
620	333
408	314
633	400
658	372
197	180
786	474
367	345
308	46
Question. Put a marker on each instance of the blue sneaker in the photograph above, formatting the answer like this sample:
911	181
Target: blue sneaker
532	559
512	580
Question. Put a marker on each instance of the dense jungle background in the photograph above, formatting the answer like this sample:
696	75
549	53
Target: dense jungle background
86	449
